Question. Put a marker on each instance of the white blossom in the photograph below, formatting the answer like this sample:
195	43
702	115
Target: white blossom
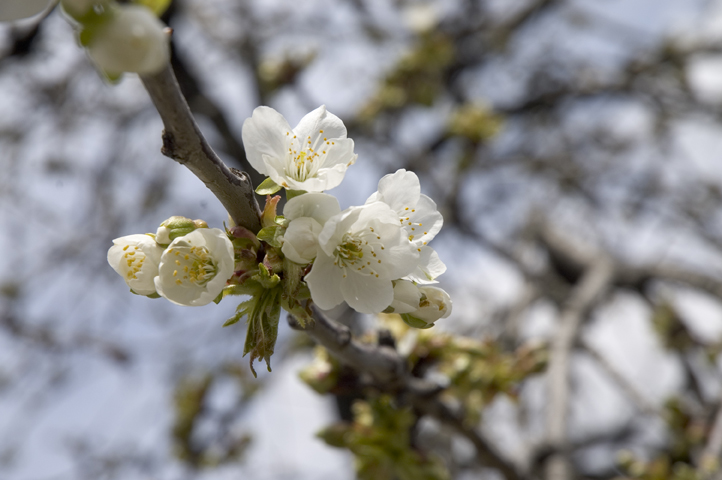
418	216
307	214
360	251
424	304
133	40
435	304
195	267
136	259
312	157
16	9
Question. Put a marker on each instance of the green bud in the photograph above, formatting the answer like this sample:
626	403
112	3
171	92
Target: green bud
175	227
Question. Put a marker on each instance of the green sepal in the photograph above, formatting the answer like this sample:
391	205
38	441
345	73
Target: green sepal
271	235
152	295
267	187
293	193
158	7
415	322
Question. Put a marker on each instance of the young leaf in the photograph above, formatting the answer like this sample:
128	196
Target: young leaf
267	187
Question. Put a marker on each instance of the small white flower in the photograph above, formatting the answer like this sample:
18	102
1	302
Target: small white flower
360	251
435	304
312	157
136	259
307	214
195	267
16	9
418	215
424	304
133	40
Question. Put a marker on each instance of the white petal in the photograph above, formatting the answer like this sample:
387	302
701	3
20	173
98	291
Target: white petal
424	223
319	206
265	134
406	297
400	190
143	254
438	305
324	282
366	293
300	242
429	267
320	119
189	293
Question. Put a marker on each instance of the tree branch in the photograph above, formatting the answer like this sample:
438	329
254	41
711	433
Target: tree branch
184	143
390	373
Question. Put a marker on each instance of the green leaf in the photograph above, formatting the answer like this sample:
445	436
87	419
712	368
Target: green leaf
271	235
267	187
265	278
157	6
262	330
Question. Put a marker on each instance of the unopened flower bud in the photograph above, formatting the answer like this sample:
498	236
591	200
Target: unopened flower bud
132	40
433	304
175	227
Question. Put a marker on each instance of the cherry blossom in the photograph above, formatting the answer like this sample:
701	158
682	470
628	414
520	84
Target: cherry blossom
311	157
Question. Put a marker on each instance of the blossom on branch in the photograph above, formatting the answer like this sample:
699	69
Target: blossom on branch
418	216
194	268
307	214
311	157
360	252
420	306
136	259
132	39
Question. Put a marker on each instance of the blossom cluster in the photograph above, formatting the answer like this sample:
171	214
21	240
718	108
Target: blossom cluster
375	257
184	261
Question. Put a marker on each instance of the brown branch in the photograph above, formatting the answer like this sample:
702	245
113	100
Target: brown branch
184	143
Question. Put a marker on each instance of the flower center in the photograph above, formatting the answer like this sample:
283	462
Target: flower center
358	253
305	157
195	265
134	258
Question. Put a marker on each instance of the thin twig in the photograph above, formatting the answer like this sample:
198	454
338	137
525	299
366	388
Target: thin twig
184	143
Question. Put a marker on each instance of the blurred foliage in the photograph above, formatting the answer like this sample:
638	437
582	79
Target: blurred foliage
380	439
475	121
416	79
672	331
661	468
191	408
476	372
